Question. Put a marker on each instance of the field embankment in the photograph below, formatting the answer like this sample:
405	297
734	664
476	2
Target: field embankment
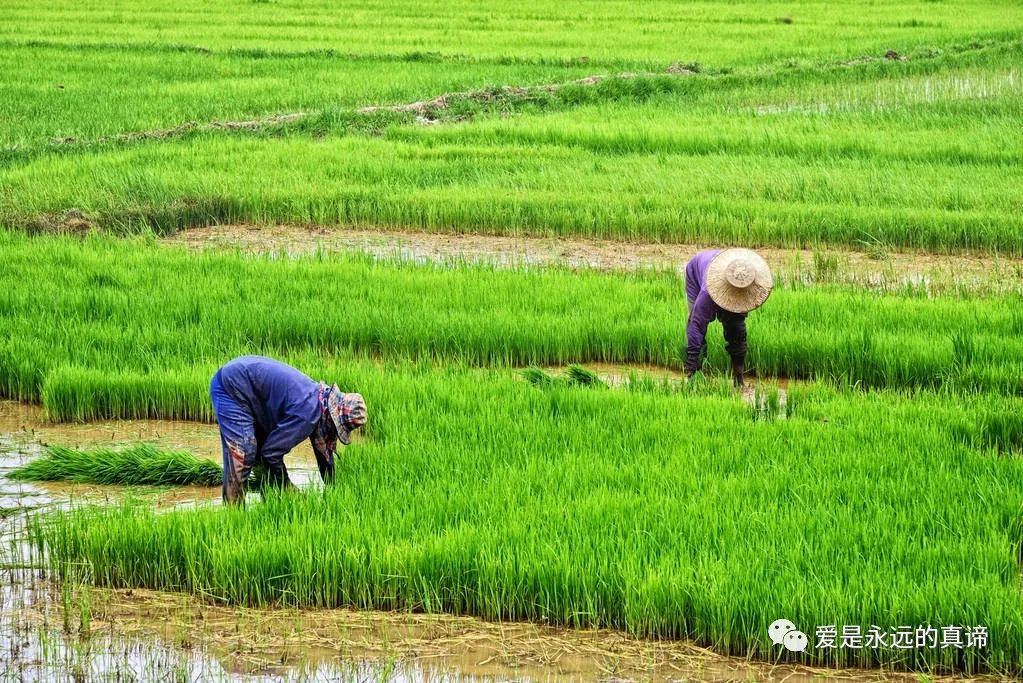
875	269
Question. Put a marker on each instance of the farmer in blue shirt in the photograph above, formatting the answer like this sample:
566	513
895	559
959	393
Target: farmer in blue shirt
265	408
723	285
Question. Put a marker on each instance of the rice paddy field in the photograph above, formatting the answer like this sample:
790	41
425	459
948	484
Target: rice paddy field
537	477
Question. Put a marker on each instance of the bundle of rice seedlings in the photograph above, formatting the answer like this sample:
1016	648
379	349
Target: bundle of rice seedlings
581	376
143	464
537	377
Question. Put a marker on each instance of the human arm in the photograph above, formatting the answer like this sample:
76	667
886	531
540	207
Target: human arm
288	433
324	442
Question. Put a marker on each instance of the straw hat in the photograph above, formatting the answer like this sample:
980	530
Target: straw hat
739	280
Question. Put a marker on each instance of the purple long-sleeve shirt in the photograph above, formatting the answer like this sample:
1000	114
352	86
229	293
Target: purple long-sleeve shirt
703	310
286	407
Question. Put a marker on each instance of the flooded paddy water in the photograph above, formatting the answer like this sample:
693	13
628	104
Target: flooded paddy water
76	632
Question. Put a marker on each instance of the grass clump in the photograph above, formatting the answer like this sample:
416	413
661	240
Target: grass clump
143	464
575	376
583	377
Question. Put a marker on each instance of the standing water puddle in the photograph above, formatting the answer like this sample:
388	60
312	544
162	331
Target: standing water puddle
74	632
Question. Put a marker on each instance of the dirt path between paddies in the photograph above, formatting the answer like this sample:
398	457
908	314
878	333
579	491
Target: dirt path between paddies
418	646
874	269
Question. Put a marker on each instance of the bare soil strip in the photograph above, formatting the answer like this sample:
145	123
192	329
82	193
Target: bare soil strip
264	640
875	269
429	108
188	127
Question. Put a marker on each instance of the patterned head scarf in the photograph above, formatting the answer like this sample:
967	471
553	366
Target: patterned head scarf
347	411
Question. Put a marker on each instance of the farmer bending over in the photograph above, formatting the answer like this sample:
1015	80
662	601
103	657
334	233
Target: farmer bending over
265	408
723	285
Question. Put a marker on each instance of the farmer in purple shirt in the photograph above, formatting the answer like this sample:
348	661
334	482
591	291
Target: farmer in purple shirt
265	408
723	285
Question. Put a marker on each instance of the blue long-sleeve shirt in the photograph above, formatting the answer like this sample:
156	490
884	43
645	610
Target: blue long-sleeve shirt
703	311
285	405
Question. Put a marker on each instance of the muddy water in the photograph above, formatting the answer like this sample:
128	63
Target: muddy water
70	631
24	431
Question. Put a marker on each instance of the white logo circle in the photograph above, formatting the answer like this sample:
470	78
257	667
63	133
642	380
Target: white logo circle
778	629
795	641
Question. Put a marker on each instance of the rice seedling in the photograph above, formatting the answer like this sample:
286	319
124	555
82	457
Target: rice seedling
716	32
538	378
171	90
143	464
670	515
66	589
580	376
873	156
826	267
111	328
84	613
767	403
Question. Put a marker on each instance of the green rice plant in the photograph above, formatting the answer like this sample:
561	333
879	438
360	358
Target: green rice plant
826	266
874	155
143	464
538	378
82	394
717	32
84	612
220	88
669	515
147	345
767	403
65	603
583	377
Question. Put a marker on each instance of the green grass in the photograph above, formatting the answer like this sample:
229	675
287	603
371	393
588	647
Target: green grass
917	154
670	514
140	465
88	93
712	32
103	327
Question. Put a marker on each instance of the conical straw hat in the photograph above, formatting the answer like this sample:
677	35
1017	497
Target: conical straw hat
739	280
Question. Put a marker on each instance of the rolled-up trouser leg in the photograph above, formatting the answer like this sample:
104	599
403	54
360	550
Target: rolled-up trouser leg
238	439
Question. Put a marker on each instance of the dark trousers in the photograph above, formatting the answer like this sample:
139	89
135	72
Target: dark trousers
703	349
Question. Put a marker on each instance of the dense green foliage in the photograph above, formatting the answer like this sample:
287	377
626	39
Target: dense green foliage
105	327
45	95
143	464
746	32
771	140
669	509
666	513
